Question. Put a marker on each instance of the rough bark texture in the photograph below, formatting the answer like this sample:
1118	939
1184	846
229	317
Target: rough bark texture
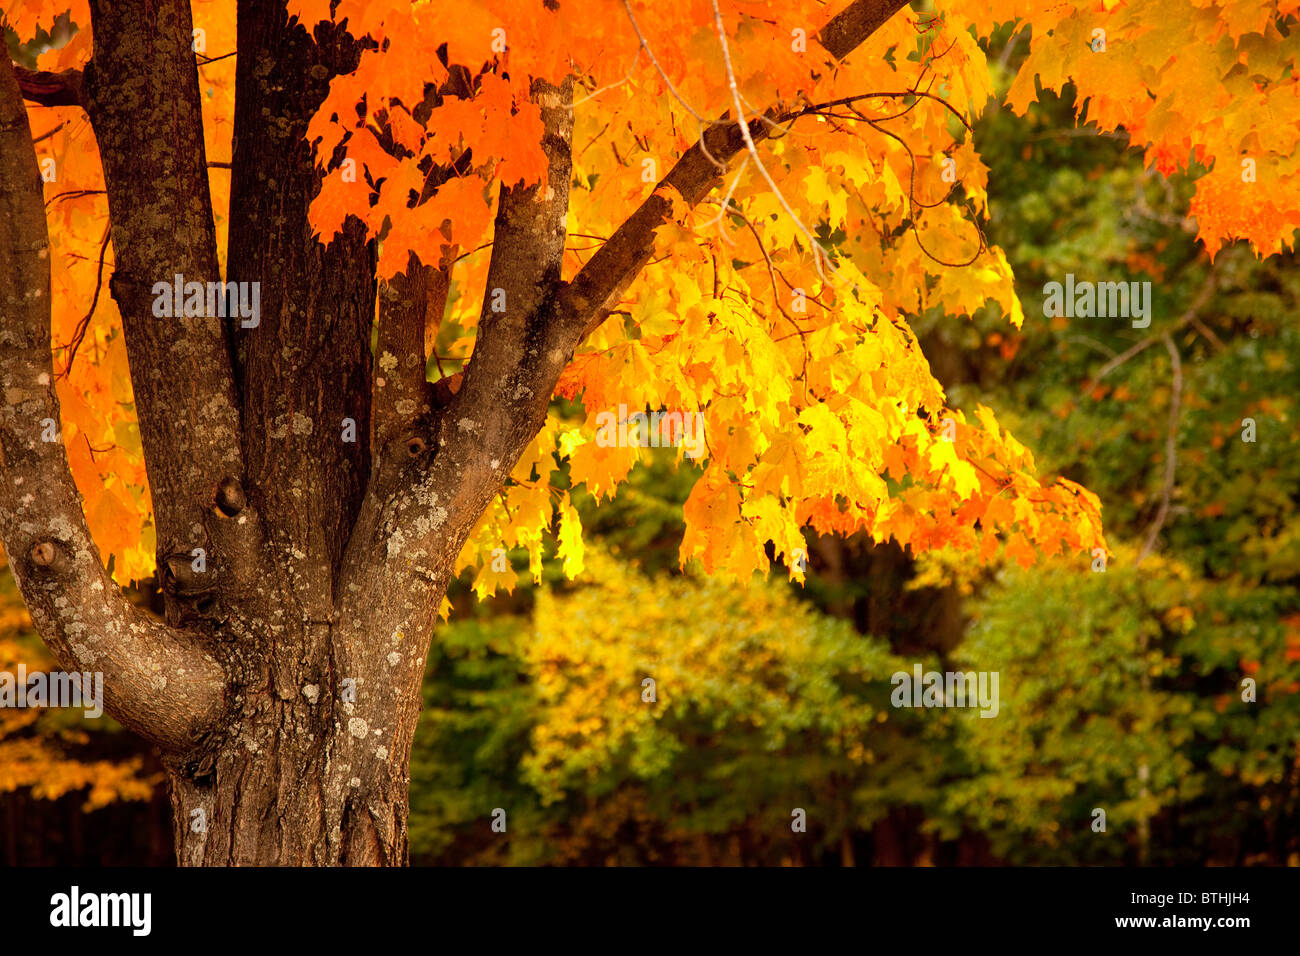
158	681
285	687
143	100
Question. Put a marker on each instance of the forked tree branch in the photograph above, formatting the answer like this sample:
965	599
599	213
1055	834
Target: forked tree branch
409	532
513	351
1190	317
501	401
156	681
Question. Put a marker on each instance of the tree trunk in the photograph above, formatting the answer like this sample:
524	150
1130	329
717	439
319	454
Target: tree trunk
319	777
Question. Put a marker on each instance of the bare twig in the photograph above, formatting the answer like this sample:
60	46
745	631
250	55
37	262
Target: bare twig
601	89
776	300
74	194
47	134
80	333
1190	317
204	60
919	94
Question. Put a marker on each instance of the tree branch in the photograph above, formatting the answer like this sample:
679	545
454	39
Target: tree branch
143	101
523	276
402	398
304	374
500	400
51	89
414	521
849	28
411	308
586	301
156	681
1189	317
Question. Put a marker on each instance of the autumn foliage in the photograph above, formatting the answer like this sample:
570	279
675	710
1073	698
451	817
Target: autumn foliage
741	289
778	303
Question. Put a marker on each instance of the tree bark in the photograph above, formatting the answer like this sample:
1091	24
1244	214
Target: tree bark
158	680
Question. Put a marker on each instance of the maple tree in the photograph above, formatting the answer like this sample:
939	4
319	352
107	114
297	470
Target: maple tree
457	218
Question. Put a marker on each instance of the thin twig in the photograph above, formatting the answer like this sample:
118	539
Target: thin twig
1188	318
601	89
819	253
74	194
1108	352
726	201
776	300
701	121
47	134
204	60
850	100
84	324
1208	332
